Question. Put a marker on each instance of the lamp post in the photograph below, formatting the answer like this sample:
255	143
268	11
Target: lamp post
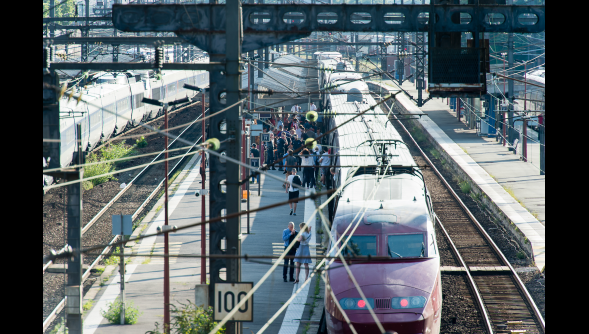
504	125
401	70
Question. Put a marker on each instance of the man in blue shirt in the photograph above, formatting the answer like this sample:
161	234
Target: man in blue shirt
288	236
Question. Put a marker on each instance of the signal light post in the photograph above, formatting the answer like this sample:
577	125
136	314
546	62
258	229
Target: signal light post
166	235
203	228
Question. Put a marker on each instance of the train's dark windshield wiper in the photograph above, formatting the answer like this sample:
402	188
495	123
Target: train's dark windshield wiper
390	251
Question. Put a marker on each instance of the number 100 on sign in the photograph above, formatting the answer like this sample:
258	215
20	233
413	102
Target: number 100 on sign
228	295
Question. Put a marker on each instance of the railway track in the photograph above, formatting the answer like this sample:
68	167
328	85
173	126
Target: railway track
501	297
142	184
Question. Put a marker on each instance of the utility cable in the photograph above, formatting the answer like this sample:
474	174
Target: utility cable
505	139
263	279
345	244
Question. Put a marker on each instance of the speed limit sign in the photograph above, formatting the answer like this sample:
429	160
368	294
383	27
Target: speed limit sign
228	295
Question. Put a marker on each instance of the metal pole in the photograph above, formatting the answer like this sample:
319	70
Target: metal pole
233	204
74	239
122	274
243	155
248	185
84	49
166	237
504	126
511	134
458	108
52	15
525	140
542	134
203	228
525	86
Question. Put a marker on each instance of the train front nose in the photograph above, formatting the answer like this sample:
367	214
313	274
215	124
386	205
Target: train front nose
400	323
398	308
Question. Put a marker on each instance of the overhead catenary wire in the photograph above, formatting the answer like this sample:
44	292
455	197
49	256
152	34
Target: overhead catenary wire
212	220
337	256
245	298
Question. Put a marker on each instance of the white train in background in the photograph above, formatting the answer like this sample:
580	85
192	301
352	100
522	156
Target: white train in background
121	95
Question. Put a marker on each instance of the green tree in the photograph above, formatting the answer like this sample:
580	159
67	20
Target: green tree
63	8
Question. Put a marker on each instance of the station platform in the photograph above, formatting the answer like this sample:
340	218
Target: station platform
514	186
144	274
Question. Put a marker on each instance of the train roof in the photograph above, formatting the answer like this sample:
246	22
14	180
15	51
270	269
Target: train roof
355	136
344	75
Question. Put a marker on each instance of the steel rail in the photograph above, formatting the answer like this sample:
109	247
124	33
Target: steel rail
114	241
120	193
190	104
520	285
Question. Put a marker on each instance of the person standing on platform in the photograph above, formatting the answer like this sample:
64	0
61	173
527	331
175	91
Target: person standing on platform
303	133
310	132
318	134
325	162
290	161
288	236
296	145
279	124
303	250
288	124
255	153
313	107
316	157
270	151
280	146
293	192
299	131
307	164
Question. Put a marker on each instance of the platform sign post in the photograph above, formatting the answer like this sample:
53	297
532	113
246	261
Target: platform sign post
228	295
122	225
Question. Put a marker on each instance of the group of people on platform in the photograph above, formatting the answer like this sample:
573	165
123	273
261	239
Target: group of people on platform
286	148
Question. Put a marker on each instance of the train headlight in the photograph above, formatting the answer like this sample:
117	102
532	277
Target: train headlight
408	302
356	303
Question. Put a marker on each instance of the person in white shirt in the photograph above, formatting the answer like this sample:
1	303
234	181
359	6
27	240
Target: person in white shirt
325	162
299	131
313	107
279	124
295	108
307	164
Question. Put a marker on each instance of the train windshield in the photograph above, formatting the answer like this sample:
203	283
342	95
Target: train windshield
360	245
405	245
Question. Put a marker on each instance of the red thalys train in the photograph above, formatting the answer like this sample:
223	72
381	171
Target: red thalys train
386	212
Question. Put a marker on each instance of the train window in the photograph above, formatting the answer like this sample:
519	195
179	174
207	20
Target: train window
109	111
360	245
139	100
171	89
95	119
363	189
405	245
155	93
